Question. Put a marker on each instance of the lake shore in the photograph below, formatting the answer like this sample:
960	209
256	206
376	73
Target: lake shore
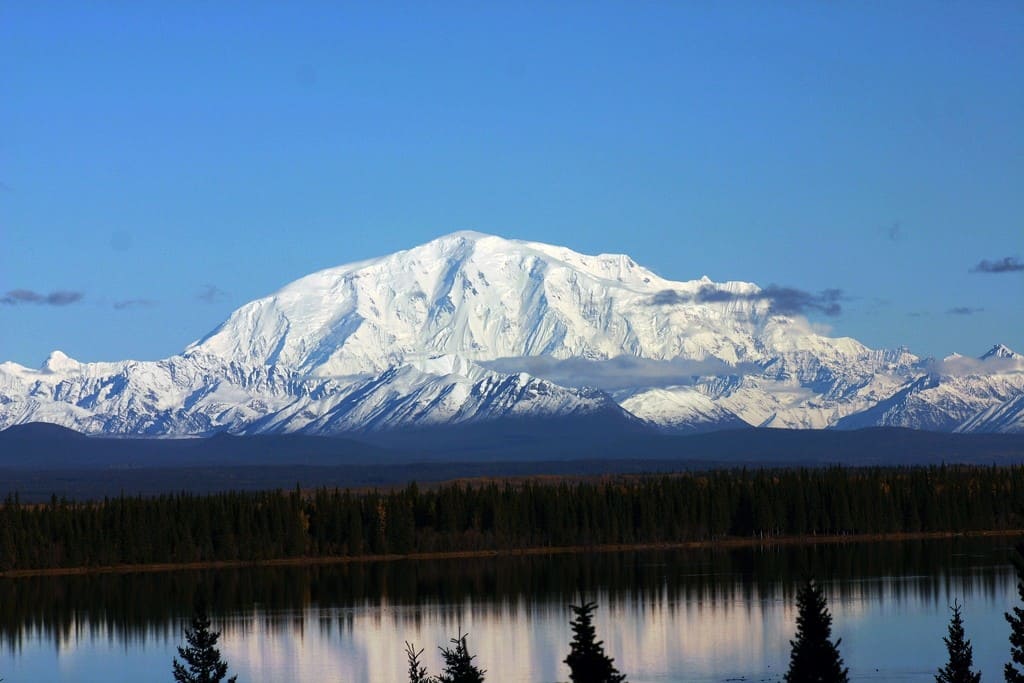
723	543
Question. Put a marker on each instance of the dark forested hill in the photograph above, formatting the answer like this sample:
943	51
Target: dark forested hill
38	459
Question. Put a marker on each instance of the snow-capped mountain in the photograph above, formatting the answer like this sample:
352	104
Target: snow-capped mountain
480	297
471	327
1000	351
957	394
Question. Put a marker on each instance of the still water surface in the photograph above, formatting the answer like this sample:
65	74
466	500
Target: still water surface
665	616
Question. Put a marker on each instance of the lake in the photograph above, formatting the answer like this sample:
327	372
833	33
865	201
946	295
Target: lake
666	616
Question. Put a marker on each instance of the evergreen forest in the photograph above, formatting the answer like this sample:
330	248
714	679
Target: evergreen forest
496	516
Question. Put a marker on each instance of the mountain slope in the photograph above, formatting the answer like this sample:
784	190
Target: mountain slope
953	395
1004	418
481	297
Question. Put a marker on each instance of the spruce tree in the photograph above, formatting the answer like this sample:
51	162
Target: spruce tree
417	672
1011	673
202	658
961	654
587	661
814	658
458	664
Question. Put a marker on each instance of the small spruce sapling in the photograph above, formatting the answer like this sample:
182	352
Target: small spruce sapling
961	654
458	663
202	658
1015	618
814	658
417	672
587	660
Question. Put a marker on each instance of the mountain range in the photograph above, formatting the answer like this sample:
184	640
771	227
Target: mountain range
472	329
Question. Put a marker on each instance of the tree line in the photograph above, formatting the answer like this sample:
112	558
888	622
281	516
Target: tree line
253	526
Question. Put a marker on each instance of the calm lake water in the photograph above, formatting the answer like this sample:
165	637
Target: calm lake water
664	616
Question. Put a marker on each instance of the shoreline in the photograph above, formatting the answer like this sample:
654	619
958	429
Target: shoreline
721	543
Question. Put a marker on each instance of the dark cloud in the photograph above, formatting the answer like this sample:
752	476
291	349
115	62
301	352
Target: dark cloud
790	301
211	294
1009	264
782	300
133	303
27	296
964	310
621	372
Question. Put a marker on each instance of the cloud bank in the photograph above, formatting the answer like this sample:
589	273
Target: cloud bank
963	366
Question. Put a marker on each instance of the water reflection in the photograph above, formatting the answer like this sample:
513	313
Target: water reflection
665	616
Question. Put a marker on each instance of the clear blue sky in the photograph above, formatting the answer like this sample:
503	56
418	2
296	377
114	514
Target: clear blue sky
171	161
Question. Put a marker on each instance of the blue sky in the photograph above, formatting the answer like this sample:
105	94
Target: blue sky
164	163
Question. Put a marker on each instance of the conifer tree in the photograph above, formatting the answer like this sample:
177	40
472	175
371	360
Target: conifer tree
587	661
961	654
814	658
1011	673
458	664
417	672
202	658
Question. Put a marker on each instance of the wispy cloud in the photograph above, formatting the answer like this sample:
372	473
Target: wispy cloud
211	294
893	231
133	303
59	297
964	310
782	300
1007	264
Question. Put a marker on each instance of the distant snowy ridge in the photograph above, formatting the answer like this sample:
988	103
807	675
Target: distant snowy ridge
472	327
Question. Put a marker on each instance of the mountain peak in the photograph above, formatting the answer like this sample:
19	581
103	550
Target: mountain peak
470	235
58	361
482	298
1000	351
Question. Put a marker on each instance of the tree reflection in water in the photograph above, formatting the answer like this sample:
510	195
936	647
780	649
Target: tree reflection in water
136	607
